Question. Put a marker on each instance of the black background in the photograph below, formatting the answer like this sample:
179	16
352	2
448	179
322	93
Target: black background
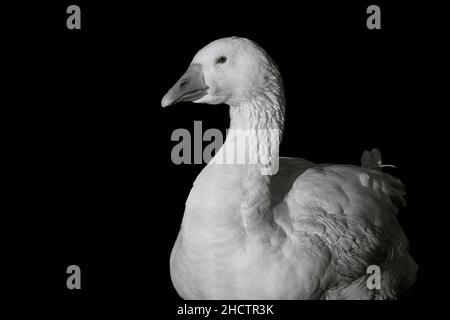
88	177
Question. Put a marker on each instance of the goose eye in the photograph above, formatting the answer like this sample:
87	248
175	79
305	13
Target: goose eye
221	59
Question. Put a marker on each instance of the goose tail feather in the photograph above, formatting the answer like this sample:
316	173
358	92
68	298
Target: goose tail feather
372	160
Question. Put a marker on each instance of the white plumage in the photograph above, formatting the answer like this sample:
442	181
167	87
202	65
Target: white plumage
307	232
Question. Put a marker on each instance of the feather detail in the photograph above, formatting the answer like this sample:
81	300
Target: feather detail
372	160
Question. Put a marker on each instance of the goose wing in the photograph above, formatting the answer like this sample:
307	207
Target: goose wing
347	213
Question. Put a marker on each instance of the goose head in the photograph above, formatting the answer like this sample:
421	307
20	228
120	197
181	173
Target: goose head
229	70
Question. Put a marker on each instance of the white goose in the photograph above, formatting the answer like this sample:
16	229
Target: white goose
307	232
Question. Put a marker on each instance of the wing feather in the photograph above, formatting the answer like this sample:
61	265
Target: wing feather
352	211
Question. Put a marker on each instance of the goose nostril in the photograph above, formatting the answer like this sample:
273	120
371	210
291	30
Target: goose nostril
183	84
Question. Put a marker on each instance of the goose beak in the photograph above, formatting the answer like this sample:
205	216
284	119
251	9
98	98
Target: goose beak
190	87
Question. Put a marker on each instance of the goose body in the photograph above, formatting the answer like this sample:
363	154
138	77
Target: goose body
299	231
